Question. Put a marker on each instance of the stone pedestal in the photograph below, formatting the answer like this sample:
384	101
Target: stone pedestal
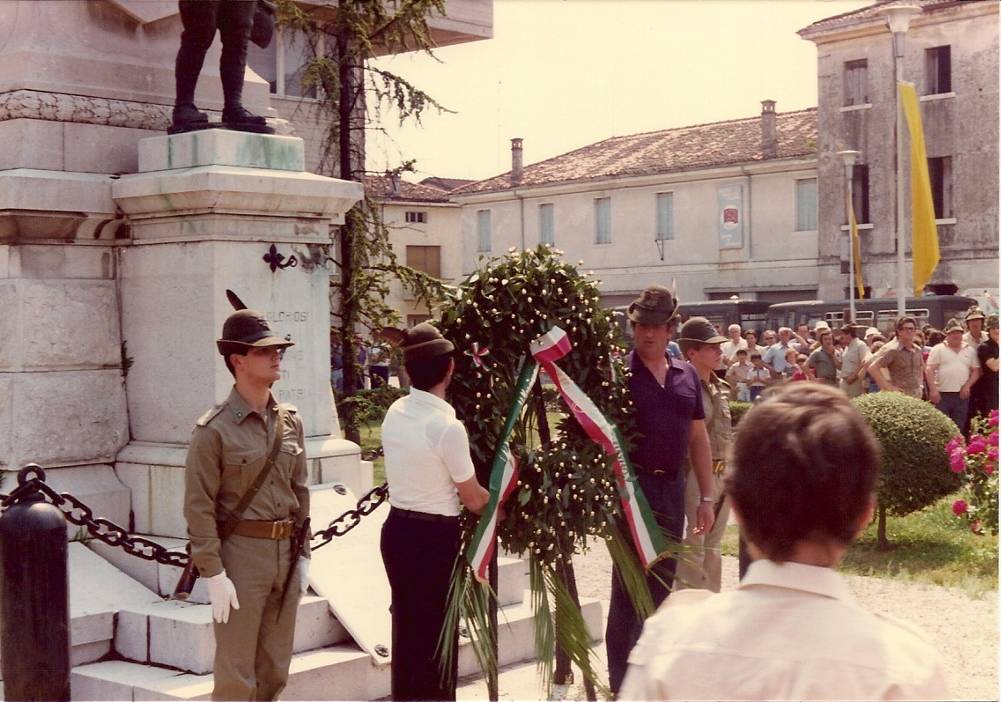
204	210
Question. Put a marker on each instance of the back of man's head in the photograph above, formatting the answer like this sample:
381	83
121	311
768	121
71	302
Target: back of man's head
804	469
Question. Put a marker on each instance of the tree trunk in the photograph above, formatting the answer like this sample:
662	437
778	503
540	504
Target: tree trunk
353	223
882	543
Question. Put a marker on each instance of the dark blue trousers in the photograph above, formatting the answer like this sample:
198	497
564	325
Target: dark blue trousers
667	500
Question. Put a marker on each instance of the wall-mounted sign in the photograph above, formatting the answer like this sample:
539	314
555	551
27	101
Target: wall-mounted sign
730	221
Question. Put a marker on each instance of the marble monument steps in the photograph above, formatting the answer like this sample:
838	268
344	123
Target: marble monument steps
337	672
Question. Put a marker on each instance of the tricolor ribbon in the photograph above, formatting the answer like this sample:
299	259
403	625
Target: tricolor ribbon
503	477
477	352
546	350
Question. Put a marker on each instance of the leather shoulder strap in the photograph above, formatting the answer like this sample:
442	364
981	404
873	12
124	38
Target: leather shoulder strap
234	516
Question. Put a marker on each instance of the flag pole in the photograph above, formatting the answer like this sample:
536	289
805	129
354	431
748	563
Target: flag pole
849	157
898	18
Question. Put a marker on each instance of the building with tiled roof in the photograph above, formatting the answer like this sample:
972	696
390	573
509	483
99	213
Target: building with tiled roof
715	210
423	231
950	54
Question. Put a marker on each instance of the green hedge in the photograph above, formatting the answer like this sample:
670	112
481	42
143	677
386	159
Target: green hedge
915	471
737	410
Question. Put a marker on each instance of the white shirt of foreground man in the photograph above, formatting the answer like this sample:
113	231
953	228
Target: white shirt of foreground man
788	632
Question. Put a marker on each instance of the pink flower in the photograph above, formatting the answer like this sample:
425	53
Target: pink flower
955	442
959	508
992	439
989	467
977	445
992	453
956	461
993	420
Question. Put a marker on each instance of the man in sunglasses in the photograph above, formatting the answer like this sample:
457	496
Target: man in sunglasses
246	503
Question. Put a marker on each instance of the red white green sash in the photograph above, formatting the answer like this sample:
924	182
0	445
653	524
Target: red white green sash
546	350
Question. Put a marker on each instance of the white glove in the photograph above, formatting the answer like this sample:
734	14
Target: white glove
303	566
222	595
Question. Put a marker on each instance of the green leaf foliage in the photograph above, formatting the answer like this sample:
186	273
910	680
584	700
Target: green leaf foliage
737	410
913	434
566	489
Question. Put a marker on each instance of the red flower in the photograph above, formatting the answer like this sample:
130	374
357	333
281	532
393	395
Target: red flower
977	445
959	507
993	420
992	439
955	442
956	461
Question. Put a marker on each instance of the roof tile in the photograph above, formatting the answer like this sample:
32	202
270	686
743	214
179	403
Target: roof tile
666	151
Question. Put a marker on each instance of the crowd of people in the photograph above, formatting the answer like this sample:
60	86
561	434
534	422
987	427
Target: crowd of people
955	368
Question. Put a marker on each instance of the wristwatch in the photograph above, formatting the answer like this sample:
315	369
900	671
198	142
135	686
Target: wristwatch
706	499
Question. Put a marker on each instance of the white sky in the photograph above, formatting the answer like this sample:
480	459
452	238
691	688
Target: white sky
565	73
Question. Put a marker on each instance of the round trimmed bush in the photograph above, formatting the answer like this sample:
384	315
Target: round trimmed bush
913	434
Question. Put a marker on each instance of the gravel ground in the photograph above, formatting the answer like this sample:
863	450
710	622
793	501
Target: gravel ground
964	629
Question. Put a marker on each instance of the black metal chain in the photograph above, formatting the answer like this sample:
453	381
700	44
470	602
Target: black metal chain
369	502
78	513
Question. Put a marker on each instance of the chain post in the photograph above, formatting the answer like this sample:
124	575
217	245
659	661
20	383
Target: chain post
34	594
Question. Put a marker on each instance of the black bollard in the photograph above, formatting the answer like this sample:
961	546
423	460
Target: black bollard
34	598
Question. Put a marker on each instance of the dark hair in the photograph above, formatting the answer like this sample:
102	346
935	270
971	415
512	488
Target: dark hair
428	372
755	355
229	363
905	320
935	337
805	465
742	351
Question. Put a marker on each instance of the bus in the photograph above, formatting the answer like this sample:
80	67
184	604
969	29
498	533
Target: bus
749	314
881	312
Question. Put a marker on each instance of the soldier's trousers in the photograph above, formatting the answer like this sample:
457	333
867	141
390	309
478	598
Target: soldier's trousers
254	648
703	569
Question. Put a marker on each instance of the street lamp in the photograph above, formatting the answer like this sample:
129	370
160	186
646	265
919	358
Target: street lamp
898	19
849	157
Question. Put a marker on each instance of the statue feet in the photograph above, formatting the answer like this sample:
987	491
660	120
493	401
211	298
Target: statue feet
240	120
187	118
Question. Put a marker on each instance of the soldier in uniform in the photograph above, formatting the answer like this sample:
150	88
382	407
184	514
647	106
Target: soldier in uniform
701	345
257	574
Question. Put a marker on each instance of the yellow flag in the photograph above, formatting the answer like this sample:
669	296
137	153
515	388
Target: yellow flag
856	251
924	236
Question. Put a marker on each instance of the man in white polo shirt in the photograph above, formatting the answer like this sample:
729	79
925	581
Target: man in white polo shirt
792	629
951	371
429	472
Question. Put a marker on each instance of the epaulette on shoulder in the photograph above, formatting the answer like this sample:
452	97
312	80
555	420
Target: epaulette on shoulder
723	383
209	416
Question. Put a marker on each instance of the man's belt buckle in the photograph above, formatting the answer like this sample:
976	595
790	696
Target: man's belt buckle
280	530
718	467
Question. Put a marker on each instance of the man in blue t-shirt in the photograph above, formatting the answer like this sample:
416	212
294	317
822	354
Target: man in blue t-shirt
669	414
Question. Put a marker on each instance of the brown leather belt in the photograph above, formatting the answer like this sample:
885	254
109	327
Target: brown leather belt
265	530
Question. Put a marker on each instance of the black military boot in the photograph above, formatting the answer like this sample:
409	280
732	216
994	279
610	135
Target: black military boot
239	119
186	118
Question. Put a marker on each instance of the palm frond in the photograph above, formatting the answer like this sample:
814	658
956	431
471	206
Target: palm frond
543	624
572	634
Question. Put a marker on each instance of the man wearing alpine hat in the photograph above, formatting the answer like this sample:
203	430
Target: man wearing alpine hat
246	503
703	569
430	475
670	417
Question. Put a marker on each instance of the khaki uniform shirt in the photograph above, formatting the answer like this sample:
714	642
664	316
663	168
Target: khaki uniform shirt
229	447
788	632
716	403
